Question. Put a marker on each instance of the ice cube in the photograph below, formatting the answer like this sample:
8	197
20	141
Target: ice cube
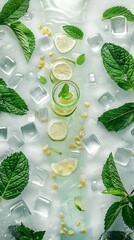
123	156
15	80
20	211
3	133
28	16
132	132
106	28
45	43
42	206
91	79
106	99
91	144
42	114
39	94
39	176
7	65
15	143
95	42
29	131
97	186
119	25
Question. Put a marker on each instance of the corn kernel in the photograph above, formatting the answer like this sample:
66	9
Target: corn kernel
80	186
39	66
42	58
54	175
77	138
87	104
40	27
55	186
84	115
83	230
62	215
62	232
84	183
72	146
44	31
62	224
51	54
45	149
42	63
78	223
71	233
65	230
78	143
70	167
48	153
82	128
49	34
81	135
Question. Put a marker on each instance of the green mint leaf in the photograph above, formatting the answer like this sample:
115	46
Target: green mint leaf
128	216
13	10
118	11
64	93
118	118
14	176
112	214
38	235
114	192
2	82
26	38
73	31
81	59
119	64
110	176
42	79
131	200
10	101
115	235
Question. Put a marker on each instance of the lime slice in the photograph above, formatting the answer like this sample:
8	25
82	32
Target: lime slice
61	70
57	130
66	167
79	203
64	43
67	101
63	59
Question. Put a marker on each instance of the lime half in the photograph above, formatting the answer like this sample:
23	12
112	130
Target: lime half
79	203
61	70
57	130
66	167
64	43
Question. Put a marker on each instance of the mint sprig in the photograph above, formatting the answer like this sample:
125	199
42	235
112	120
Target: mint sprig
114	186
115	235
10	101
74	32
64	93
118	11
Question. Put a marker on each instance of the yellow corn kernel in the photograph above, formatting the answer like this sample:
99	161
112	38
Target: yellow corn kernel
83	230
81	135
54	175
39	66
42	63
82	128
87	104
49	34
55	186
72	146
45	149
48	153
44	31
71	233
80	186
77	138
78	143
62	224
62	232
51	54
70	167
40	27
42	58
62	215
78	223
84	115
84	183
65	230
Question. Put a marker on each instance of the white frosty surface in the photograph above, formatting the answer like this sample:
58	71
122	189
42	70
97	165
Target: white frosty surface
91	168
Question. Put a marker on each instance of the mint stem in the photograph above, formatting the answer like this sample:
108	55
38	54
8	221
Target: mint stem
132	192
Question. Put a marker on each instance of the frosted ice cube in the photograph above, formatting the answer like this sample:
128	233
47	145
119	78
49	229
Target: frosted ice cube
119	25
29	131
7	65
2	33
42	114
106	28
97	186
91	79
3	133
42	206
95	42
15	80
132	132
106	99
20	211
45	43
28	16
123	156
39	176
91	144
39	94
15	143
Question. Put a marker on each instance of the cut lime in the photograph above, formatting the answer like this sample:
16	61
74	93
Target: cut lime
79	203
64	43
67	101
63	59
61	70
66	167
57	130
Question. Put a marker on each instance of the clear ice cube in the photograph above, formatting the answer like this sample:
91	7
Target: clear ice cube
106	28
42	206
106	99
39	94
15	80
42	114
20	211
3	133
119	25
15	143
91	79
29	131
123	156
45	43
132	132
7	65
28	16
95	42
91	144
97	186
39	176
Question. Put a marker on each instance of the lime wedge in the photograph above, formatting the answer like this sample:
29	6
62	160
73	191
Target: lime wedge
66	167
61	70
79	203
64	43
57	130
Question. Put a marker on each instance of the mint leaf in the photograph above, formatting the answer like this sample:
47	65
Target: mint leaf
118	11
73	31
118	118
114	192
115	235
119	64
26	38
10	101
64	93
131	199
42	79
81	59
111	178
112	214
14	176
128	216
13	10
